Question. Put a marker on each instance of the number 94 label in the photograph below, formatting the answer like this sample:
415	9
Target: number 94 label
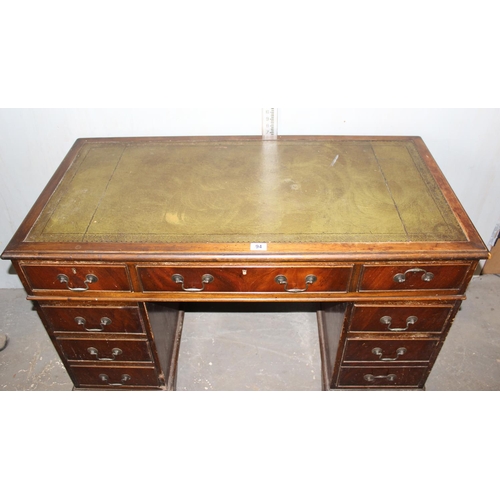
258	246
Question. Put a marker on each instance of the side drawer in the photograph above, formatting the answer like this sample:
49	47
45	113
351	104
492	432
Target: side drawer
403	350
366	377
115	350
413	276
397	319
77	278
244	279
104	320
114	377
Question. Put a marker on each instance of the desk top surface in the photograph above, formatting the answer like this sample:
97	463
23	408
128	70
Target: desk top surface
235	191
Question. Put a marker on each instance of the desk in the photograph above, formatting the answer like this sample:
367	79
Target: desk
129	229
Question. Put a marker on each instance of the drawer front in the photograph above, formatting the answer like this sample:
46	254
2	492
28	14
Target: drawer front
366	377
107	377
94	319
78	278
411	276
394	319
389	351
104	350
244	279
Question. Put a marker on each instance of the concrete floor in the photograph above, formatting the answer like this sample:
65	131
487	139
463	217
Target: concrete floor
274	348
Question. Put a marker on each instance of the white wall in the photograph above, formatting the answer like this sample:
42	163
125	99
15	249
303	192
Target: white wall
464	142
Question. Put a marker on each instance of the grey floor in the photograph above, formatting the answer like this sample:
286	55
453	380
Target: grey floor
274	348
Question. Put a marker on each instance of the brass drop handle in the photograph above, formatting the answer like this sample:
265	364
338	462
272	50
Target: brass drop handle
282	280
401	277
81	322
179	279
124	378
387	320
90	278
371	378
114	352
378	352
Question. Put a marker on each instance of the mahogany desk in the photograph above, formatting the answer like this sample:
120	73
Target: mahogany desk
128	229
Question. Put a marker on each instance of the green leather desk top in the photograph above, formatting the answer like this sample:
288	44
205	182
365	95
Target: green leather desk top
205	191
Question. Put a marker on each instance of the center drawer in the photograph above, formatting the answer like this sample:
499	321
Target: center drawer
244	279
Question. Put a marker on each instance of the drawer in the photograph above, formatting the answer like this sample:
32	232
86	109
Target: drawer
413	276
114	377
77	278
93	319
403	350
397	319
366	377
104	350
245	279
